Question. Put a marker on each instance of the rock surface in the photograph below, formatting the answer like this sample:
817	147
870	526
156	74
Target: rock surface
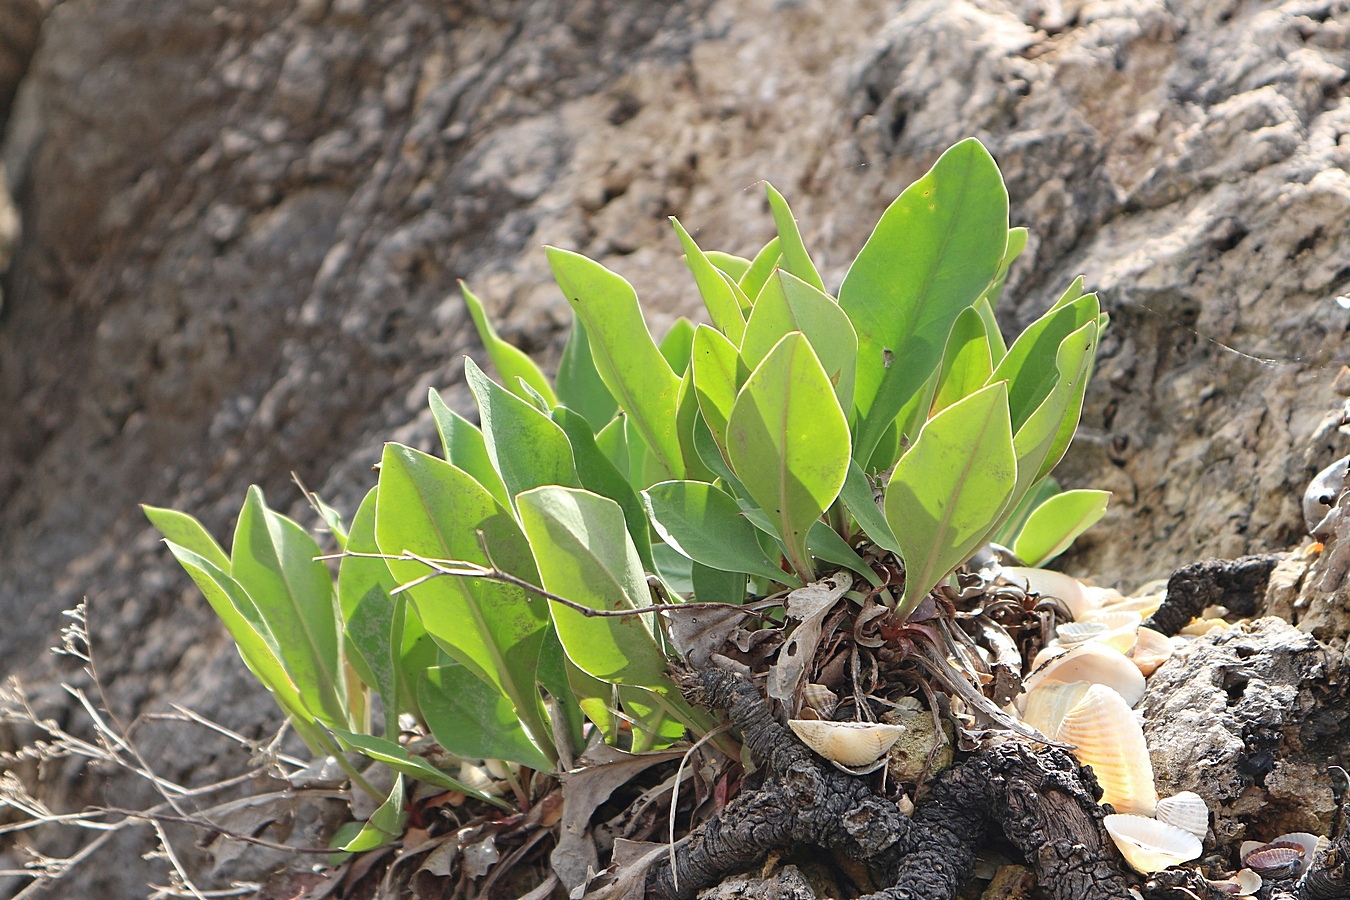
1248	718
242	225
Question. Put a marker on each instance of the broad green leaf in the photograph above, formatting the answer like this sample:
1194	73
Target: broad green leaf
718	296
861	502
629	363
1017	242
788	304
465	448
532	397
364	590
715	362
384	825
612	441
825	544
706	525
273	559
579	384
674	568
788	442
731	264
599	476
598	700
715	585
430	508
935	250
1043	437
654	728
242	620
511	362
966	363
1071	293
399	759
1031	367
907	424
795	258
562	702
584	554
998	348
526	447
474	720
687	417
185	531
1040	492
676	344
761	267
947	491
712	457
1057	522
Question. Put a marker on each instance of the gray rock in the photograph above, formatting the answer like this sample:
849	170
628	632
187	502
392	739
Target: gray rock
1248	718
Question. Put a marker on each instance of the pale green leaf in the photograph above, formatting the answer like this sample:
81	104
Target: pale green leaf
1057	522
511	362
761	267
706	525
579	385
472	719
966	363
935	250
628	361
715	362
187	532
718	297
675	346
795	258
788	443
465	448
946	493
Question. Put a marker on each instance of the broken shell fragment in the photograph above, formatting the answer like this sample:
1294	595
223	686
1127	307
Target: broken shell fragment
1151	650
1107	736
1149	845
1092	662
847	743
1186	810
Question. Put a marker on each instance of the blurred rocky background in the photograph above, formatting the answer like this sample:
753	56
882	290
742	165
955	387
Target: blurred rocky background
236	231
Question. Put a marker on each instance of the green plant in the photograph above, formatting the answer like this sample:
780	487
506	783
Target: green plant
510	592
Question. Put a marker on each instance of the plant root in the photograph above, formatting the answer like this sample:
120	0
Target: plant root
1043	802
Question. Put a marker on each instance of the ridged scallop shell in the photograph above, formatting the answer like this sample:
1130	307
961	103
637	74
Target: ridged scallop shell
847	743
1151	649
1186	810
1092	662
1146	605
1149	845
1050	702
1107	736
1056	584
819	698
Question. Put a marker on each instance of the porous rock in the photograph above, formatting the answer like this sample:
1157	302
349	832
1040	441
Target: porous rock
1248	717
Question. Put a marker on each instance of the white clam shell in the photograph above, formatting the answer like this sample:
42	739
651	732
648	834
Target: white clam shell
1146	605
1092	662
1107	736
1057	584
1186	810
1121	626
1151	649
1050	702
1247	881
1149	845
847	743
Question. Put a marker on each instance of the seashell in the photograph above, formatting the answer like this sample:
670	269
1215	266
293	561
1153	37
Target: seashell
1149	845
1092	662
1151	649
1072	633
1050	702
1201	627
1146	605
847	743
819	698
1287	856
1056	584
1186	810
1247	881
1121	627
1107	736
